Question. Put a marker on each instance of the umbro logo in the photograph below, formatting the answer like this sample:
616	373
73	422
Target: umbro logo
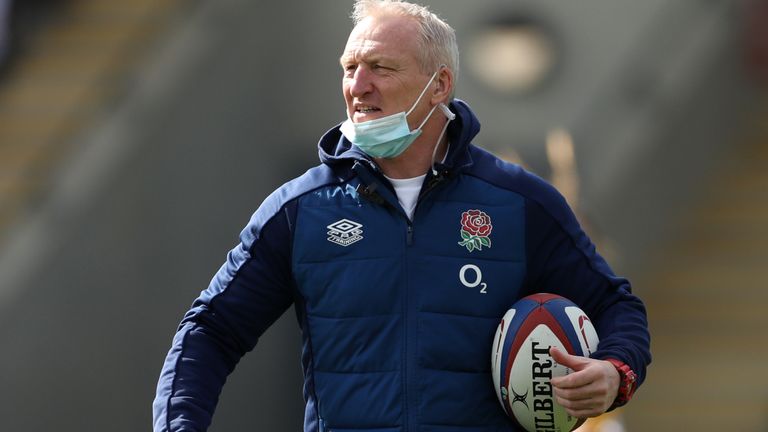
345	232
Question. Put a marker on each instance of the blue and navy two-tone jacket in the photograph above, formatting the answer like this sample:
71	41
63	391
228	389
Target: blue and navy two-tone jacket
397	316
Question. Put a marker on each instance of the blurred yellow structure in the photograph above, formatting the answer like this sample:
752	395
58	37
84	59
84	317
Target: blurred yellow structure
69	70
707	299
610	422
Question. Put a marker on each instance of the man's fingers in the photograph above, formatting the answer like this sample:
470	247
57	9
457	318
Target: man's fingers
581	408
593	390
573	394
581	403
585	413
576	379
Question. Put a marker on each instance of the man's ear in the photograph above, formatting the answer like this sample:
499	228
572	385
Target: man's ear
444	80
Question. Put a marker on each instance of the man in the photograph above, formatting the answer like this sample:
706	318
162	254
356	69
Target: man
401	252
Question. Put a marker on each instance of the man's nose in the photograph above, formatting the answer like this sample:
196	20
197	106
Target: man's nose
361	82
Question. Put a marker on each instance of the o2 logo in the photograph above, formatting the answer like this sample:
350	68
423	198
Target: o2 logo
471	277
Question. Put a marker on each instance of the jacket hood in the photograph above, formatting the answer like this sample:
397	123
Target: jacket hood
334	148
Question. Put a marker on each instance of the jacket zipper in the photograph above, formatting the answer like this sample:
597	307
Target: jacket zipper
409	235
433	182
369	192
406	326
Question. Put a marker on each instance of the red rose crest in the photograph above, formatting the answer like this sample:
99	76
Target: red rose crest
475	230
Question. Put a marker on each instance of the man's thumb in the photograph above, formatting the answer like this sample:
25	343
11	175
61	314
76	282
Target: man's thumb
565	359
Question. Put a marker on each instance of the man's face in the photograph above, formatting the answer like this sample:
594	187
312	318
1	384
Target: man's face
382	74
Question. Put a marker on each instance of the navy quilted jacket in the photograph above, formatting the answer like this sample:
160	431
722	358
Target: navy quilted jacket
397	317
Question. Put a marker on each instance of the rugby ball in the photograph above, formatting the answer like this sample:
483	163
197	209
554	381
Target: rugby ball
521	364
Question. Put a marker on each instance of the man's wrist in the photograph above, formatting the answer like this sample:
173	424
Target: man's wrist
627	382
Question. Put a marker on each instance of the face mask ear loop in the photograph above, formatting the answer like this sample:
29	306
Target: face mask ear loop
450	116
426	87
427	117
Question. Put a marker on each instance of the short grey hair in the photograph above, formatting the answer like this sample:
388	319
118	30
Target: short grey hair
436	38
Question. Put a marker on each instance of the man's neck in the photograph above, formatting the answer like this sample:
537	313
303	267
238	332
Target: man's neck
408	166
417	159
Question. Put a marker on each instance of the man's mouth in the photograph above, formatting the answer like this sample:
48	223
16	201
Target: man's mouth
365	109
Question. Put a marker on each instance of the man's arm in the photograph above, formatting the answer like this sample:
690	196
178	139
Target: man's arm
248	293
563	260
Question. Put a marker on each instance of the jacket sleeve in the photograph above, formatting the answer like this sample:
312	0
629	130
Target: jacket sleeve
248	293
563	260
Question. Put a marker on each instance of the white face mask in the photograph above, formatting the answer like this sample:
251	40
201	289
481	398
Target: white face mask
389	136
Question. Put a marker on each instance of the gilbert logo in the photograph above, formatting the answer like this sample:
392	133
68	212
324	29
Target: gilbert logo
344	232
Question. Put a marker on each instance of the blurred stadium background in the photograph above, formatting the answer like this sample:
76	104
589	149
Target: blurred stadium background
136	138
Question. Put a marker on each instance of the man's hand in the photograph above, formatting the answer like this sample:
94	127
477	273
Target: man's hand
590	389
